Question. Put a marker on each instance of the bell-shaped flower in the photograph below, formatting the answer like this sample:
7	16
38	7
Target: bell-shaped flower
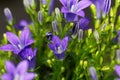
74	8
17	73
18	44
59	47
102	5
29	55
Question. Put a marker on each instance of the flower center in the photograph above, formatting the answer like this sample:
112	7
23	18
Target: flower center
29	58
59	49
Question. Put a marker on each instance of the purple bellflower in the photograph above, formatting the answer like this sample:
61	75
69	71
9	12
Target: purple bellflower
17	73
21	25
29	55
58	47
102	5
74	8
117	70
18	44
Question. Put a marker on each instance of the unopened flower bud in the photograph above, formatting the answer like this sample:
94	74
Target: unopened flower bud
118	55
93	73
80	34
103	27
96	35
40	16
26	4
57	12
8	15
54	26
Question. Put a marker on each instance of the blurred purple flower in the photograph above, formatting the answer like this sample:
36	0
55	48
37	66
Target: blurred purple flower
17	73
29	55
83	24
51	6
102	5
59	47
21	25
43	1
49	35
117	37
117	69
18	44
74	8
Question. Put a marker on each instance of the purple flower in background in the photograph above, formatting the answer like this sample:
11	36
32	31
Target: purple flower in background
117	70
43	1
83	23
117	37
74	8
58	47
17	73
102	5
8	15
29	55
18	44
21	25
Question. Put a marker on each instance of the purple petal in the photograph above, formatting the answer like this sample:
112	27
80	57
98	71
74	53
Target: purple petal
22	67
52	47
80	13
63	2
13	39
64	43
83	4
7	47
71	17
64	10
30	76
60	56
25	37
10	67
106	6
83	22
56	40
117	69
6	77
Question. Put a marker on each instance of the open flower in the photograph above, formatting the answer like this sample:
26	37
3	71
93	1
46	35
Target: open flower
102	5
72	8
18	44
58	47
29	55
17	73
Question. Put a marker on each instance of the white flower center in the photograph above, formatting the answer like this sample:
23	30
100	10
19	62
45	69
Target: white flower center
29	58
18	77
59	49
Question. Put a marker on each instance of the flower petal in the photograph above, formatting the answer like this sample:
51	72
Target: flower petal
13	39
71	17
7	47
6	77
22	67
25	37
30	76
52	47
117	69
60	56
56	40
106	6
10	67
64	43
83	4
